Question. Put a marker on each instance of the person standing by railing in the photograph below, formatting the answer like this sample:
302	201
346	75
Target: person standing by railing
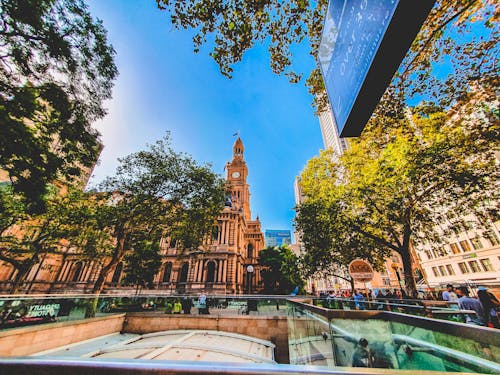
329	299
186	305
490	307
449	295
467	303
177	308
383	298
202	303
358	298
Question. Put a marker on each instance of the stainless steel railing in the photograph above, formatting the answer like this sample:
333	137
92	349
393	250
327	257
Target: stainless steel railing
57	366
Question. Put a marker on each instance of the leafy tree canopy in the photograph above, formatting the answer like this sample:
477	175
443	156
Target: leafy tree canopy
66	222
159	193
142	264
448	38
56	70
407	178
281	273
330	242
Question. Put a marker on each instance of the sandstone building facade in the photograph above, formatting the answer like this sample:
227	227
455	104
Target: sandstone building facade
221	267
233	251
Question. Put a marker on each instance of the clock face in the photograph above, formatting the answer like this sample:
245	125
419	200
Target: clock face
236	174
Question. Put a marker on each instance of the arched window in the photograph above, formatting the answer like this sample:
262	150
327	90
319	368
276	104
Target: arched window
250	251
77	272
210	272
167	272
117	273
183	274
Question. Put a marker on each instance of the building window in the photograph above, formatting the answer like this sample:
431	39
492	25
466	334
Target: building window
435	271
428	254
250	251
476	243
442	270
492	238
183	274
78	271
167	272
486	263
465	245
474	266
454	247
450	269
463	267
210	272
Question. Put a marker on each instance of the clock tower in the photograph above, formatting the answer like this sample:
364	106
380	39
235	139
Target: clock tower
237	173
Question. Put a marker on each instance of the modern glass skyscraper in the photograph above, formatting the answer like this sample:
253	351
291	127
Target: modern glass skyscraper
329	131
278	237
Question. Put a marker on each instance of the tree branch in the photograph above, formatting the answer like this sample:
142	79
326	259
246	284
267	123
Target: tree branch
390	230
13	262
375	238
433	34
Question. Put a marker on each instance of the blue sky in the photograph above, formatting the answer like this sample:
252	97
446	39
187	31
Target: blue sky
164	86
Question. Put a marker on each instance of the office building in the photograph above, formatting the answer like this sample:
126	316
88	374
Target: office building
277	237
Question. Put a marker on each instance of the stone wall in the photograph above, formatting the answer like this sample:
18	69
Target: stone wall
272	328
29	340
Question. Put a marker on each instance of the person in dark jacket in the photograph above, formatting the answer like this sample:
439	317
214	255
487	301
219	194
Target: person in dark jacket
490	306
362	356
186	305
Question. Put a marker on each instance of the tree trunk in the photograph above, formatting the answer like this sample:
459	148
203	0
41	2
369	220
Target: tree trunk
115	259
99	283
23	268
411	287
404	251
21	274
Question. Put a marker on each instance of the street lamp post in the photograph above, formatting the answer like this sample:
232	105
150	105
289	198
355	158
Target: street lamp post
395	267
249	278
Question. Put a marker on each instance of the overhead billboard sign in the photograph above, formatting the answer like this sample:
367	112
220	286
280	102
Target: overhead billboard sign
362	46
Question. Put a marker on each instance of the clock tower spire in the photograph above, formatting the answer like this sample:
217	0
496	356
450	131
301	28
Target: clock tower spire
237	173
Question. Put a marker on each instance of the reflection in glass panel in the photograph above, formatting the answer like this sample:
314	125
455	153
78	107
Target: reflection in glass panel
309	339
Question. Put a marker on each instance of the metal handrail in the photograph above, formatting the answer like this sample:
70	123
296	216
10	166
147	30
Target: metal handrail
419	303
450	353
477	333
439	350
155	295
60	366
